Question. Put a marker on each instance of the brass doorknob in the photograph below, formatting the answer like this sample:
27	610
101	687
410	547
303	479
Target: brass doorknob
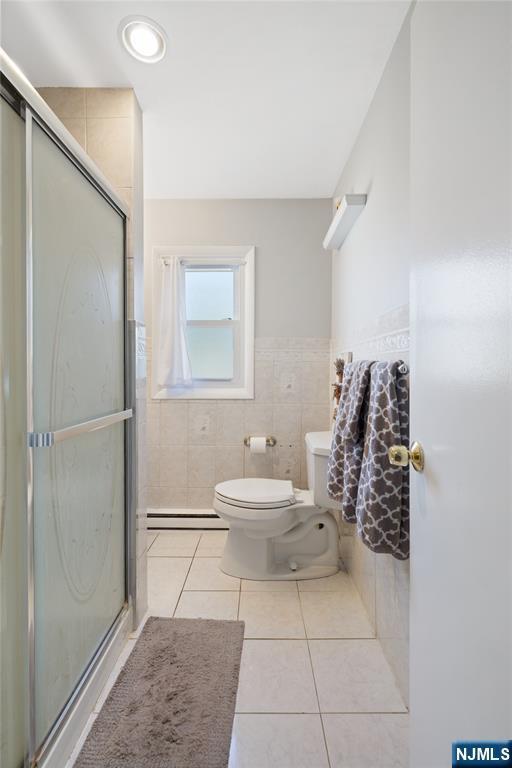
400	456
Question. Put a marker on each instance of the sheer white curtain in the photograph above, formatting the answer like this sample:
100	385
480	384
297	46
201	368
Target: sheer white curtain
173	359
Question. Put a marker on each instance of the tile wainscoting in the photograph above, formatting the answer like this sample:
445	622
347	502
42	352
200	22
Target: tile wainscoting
192	445
382	581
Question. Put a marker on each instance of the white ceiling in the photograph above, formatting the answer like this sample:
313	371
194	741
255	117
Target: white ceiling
254	99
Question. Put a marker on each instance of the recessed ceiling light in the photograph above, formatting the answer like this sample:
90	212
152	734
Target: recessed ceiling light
143	38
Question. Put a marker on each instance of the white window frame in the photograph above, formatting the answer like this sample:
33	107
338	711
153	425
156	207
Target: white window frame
241	387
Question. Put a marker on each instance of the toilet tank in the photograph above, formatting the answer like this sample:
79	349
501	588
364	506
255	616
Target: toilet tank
318	447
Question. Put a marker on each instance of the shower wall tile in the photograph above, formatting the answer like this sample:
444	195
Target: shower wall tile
167	498
287	382
264	380
230	423
173	423
201	466
199	498
392	613
109	143
153	466
65	102
202	423
153	424
286	463
315	382
126	195
173	467
259	419
229	463
315	356
76	127
287	356
258	464
287	422
109	102
315	418
364	573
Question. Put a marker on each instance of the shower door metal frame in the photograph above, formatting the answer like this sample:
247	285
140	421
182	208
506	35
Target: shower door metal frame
20	94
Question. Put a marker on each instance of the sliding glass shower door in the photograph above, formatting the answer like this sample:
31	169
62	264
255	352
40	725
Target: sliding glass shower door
76	422
13	531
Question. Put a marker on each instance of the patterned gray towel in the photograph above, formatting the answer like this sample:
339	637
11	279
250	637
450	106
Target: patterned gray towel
346	455
383	495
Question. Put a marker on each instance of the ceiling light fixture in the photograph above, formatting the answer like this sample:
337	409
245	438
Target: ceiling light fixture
143	38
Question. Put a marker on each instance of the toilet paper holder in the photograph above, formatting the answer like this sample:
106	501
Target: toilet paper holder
271	441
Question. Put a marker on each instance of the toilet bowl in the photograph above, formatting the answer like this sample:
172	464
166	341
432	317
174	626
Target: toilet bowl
277	532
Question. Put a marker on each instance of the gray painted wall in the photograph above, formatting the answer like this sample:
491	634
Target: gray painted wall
371	272
293	272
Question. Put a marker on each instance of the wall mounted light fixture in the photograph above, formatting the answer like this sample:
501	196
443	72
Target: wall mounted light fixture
348	210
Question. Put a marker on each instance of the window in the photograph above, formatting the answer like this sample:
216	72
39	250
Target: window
212	329
203	321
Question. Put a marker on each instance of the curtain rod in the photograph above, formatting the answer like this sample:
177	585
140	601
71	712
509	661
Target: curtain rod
205	262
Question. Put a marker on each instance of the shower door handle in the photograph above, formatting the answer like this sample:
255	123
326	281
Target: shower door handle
47	439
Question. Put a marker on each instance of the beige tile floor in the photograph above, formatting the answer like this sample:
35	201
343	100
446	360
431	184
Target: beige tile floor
315	689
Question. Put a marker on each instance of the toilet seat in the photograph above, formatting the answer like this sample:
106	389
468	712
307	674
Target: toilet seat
256	493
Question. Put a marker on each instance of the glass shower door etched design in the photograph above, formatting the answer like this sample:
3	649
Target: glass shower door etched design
78	376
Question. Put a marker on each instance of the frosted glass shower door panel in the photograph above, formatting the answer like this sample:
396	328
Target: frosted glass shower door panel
78	294
13	491
79	560
78	375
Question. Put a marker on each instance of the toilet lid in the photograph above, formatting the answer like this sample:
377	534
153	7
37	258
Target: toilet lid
257	492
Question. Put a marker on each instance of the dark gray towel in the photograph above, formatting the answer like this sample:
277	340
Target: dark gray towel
383	496
346	455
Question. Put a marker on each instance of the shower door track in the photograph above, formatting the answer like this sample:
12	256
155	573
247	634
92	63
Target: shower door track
20	94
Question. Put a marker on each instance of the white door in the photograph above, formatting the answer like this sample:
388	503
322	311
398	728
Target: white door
461	576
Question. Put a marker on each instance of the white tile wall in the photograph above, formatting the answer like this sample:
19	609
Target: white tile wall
193	445
382	581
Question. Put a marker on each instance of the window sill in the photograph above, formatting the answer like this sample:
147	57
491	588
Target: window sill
205	393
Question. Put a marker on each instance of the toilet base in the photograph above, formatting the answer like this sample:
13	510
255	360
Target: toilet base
283	558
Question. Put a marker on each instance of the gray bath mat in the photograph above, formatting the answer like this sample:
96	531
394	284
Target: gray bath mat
173	703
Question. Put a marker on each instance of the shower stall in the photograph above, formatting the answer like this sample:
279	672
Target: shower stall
66	428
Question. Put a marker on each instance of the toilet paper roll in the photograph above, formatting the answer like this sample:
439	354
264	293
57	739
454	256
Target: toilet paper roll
258	444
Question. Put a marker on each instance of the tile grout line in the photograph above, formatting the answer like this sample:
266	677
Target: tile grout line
337	712
184	582
314	682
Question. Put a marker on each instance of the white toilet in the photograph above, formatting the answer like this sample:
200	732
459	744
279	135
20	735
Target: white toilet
277	532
